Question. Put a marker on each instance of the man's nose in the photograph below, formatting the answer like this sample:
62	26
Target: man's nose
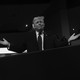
39	24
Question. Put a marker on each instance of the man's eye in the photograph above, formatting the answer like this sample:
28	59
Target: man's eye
37	22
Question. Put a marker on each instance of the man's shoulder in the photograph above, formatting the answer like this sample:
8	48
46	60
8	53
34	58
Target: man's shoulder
46	32
49	33
31	31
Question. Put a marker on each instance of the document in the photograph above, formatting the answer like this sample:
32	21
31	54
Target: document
4	50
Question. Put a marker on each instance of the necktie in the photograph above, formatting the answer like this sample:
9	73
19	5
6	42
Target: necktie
40	42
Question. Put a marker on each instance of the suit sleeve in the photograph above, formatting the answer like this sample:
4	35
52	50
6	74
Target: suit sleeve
60	42
19	44
19	48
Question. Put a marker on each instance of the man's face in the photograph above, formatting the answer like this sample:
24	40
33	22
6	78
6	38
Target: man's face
38	24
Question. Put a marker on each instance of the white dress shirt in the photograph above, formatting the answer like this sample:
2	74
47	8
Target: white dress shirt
42	36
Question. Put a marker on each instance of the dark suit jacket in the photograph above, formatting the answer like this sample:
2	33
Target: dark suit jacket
29	42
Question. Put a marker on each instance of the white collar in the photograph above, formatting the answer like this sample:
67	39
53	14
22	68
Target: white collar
38	32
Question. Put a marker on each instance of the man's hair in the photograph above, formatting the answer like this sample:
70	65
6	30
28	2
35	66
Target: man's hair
38	18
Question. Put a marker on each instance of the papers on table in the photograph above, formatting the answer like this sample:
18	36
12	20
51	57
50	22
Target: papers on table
6	51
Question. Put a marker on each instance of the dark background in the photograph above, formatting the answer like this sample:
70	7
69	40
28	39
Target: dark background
15	15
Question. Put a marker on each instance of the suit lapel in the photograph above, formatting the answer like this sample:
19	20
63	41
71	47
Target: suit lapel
45	39
35	40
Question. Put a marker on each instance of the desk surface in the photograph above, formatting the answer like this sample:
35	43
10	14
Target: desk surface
5	52
62	62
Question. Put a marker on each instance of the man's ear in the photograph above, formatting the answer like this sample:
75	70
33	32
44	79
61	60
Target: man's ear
33	26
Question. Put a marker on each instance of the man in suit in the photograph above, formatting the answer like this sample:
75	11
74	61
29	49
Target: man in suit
37	39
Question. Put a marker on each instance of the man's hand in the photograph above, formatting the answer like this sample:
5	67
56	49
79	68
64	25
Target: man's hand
73	37
5	42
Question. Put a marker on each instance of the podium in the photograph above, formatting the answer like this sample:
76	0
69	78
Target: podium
48	64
